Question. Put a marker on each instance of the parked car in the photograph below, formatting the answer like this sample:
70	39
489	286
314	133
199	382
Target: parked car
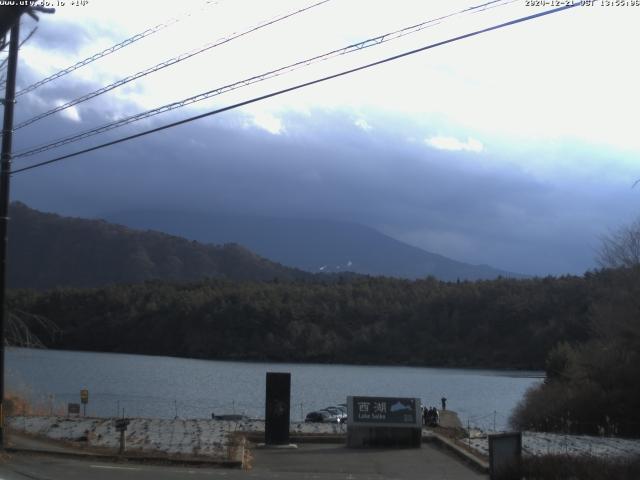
342	412
318	416
332	414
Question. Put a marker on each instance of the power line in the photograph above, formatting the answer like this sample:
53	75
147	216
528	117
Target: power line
167	63
110	50
299	86
4	62
249	81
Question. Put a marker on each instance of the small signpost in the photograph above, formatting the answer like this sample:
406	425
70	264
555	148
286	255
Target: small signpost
84	399
73	409
122	423
121	426
384	421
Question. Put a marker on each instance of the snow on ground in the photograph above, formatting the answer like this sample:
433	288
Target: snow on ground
536	443
211	438
201	437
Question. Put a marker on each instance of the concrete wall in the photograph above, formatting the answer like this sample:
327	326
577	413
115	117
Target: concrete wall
399	437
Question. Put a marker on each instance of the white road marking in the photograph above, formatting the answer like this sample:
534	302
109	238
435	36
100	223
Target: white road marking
113	467
205	472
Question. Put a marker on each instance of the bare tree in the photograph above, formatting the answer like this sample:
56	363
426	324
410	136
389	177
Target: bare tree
21	326
621	248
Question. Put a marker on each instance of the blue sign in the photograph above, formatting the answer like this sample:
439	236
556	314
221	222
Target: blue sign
385	410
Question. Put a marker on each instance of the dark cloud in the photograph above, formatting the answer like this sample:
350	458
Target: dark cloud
66	36
455	203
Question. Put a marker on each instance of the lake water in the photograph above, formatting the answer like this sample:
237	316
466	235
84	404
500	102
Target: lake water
146	386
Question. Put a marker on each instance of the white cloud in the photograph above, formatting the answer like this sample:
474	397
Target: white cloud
70	113
466	84
268	122
452	143
363	124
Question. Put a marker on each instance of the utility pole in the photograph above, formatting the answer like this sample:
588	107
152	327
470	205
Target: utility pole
5	172
9	14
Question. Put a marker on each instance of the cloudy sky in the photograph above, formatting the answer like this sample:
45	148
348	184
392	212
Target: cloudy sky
516	148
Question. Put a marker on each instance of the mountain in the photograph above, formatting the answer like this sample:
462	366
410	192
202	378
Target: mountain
312	245
47	250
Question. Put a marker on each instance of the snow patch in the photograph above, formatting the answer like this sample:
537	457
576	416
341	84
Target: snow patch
197	437
538	443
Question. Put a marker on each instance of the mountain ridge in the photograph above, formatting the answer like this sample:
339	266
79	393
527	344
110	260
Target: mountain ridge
312	245
47	250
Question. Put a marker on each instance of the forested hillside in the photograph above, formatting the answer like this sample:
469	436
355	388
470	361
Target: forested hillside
592	386
499	323
47	250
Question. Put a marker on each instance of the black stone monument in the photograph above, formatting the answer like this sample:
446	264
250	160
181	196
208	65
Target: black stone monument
277	406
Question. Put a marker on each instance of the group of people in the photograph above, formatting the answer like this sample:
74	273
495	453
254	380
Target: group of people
430	416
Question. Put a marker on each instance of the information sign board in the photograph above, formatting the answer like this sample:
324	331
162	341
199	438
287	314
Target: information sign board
386	411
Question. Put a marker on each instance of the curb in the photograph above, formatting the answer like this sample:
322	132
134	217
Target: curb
258	437
130	458
450	445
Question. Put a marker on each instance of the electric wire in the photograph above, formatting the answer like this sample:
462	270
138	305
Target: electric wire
114	48
167	63
299	86
247	81
3	64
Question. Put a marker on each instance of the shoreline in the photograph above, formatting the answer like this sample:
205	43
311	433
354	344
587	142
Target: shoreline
475	369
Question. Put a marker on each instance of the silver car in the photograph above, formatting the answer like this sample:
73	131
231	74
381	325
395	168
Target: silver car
333	414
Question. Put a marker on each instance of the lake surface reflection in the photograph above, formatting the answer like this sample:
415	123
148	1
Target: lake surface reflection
146	386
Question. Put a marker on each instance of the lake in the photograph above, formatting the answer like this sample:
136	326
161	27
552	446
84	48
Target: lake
165	387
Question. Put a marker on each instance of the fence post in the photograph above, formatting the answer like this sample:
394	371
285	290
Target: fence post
123	442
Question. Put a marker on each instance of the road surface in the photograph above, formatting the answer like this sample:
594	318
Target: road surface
310	461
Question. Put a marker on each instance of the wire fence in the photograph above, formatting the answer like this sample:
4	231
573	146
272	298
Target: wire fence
492	421
110	405
557	435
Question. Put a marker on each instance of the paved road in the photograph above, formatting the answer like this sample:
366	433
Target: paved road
322	462
338	462
42	467
28	442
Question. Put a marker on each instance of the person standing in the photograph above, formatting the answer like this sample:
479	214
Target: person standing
444	403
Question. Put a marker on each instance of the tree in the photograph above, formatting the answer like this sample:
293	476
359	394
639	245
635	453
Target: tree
621	248
28	330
